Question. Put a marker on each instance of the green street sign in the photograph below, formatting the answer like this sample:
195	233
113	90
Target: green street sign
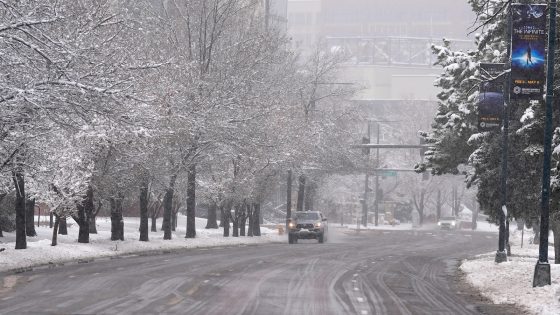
387	173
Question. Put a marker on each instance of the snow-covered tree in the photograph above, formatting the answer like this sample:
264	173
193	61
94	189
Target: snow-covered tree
65	65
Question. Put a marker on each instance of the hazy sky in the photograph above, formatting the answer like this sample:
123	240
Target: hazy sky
423	18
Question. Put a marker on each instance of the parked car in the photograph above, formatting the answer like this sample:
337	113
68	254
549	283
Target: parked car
307	225
448	223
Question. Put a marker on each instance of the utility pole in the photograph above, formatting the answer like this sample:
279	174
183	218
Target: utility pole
377	179
377	146
542	269
366	140
288	198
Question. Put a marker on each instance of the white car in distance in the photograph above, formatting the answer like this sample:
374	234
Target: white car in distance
448	223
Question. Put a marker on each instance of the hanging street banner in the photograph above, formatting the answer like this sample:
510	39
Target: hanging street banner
491	96
528	41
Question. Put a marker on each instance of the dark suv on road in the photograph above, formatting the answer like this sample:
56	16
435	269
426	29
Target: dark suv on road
307	225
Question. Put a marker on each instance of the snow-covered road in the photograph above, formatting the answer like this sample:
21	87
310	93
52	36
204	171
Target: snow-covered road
373	272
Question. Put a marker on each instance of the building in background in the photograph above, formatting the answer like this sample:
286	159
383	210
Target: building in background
304	27
388	44
388	41
277	14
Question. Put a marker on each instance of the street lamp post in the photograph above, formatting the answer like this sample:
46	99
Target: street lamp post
501	254
541	276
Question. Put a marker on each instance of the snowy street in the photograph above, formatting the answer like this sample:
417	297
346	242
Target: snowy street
373	272
279	157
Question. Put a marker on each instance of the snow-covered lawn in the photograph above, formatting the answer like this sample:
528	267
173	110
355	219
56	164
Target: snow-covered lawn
39	250
371	226
481	227
512	282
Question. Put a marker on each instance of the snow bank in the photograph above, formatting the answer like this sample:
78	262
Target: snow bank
40	252
482	226
512	282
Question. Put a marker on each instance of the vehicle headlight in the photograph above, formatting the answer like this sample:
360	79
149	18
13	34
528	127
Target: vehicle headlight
439	223
453	223
291	224
318	224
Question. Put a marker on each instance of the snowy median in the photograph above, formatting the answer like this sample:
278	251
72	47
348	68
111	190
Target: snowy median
511	282
40	252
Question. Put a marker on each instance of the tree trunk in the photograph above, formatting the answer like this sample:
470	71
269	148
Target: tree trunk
89	208
225	221
2	195
30	217
51	220
80	219
93	224
309	196
168	208
117	224
288	198
301	193
154	222
243	220
83	219
55	231
144	209
19	182
257	220
173	221
235	222
121	220
191	202
221	217
212	222
114	219
508	246
175	214
62	226
250	219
